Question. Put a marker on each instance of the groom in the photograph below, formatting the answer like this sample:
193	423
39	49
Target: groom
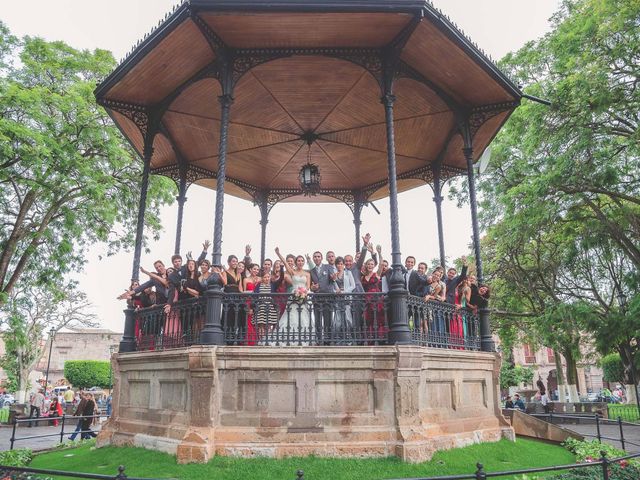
323	278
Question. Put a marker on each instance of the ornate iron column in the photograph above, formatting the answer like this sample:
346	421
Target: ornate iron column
212	333
263	204
399	328
486	341
181	198
358	203
437	198
128	342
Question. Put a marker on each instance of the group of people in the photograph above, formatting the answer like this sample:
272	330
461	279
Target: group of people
281	289
53	410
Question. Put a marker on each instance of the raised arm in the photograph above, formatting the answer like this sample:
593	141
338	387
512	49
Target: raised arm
156	277
284	262
379	248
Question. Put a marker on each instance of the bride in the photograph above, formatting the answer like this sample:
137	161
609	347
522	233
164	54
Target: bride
295	322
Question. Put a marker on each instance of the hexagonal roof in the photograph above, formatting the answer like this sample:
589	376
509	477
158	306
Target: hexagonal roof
307	69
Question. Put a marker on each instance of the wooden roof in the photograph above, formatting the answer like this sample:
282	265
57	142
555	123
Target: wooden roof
307	68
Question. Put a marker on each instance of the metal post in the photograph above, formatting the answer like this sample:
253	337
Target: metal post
621	432
486	340
181	198
62	428
264	220
52	332
437	198
357	222
212	333
142	206
598	429
128	342
13	433
480	473
605	465
398	326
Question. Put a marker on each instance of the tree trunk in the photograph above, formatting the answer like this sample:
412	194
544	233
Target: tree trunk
631	394
562	388
572	375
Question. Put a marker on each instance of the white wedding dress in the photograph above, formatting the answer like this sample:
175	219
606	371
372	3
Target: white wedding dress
295	322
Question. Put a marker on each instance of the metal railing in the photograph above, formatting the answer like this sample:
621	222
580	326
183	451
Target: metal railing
8	472
480	473
64	420
320	319
597	421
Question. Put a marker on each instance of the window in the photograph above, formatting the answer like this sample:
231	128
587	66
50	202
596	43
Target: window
551	358
529	354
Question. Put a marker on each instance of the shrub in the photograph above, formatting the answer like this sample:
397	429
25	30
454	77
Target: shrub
87	373
623	471
590	450
20	457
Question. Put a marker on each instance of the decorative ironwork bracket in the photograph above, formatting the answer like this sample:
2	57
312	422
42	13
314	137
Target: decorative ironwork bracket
138	114
479	115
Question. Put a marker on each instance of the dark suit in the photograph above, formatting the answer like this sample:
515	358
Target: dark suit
453	284
321	275
413	282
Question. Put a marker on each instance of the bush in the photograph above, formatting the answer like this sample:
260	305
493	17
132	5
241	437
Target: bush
612	369
628	413
20	457
511	376
590	450
623	471
87	373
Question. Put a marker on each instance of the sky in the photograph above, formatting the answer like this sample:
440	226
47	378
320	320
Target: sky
496	26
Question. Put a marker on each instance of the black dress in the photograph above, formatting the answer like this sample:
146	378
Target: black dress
234	311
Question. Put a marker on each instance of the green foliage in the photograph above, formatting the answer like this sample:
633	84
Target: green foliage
67	178
590	449
628	413
622	471
503	455
561	197
612	368
20	457
513	376
87	373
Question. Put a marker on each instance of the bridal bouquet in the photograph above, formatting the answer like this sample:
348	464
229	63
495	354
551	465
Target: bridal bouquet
300	295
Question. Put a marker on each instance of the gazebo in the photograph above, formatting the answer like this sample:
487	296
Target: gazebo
305	101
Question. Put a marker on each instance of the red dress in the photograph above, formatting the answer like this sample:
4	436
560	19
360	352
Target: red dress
456	329
374	314
251	337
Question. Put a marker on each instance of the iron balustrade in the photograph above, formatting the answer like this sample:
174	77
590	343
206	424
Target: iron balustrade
70	421
442	325
278	319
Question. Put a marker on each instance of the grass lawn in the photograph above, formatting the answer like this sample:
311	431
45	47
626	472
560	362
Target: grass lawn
503	455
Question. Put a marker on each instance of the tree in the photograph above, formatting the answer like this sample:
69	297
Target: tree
561	198
31	312
88	373
515	375
67	179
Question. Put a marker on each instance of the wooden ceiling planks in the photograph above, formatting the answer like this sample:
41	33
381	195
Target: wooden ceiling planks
163	153
305	30
199	99
276	102
437	58
308	88
255	105
173	61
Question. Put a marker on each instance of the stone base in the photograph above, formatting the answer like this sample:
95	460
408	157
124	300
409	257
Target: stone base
406	401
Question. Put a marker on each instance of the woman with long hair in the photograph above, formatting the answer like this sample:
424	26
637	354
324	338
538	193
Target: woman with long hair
342	324
88	412
296	319
234	316
55	410
374	315
250	283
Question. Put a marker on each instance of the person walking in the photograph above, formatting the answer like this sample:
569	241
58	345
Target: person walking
78	413
87	417
36	405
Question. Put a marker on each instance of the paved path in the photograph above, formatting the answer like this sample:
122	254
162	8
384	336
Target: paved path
631	434
37	443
